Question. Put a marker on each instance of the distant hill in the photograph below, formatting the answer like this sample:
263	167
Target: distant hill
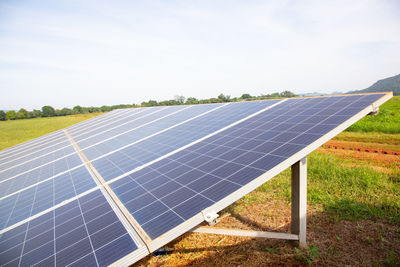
384	85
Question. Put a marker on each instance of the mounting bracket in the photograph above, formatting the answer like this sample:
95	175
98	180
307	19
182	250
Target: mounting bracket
211	217
375	110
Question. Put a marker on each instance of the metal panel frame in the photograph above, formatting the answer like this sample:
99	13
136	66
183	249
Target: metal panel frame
233	232
298	224
116	205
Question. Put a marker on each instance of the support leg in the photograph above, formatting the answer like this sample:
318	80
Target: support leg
299	200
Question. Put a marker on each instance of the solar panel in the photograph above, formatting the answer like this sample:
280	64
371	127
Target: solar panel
133	180
42	143
85	231
38	198
12	151
54	144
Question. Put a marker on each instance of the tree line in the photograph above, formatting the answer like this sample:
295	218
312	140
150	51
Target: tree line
49	111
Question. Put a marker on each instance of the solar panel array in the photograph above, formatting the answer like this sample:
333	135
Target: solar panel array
114	188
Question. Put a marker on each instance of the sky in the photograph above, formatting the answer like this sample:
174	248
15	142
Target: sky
92	53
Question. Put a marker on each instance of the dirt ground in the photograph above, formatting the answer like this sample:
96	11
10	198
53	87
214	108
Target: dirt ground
333	242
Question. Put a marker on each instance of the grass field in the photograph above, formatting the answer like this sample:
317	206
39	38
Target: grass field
19	131
353	202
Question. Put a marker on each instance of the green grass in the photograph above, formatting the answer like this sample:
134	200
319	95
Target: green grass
387	121
346	193
19	131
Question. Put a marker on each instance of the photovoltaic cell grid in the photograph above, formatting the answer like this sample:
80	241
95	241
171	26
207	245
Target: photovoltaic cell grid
39	157
17	203
49	138
54	141
85	232
134	118
29	170
100	120
40	153
38	170
171	191
13	168
11	150
33	152
20	203
152	148
39	174
132	132
43	196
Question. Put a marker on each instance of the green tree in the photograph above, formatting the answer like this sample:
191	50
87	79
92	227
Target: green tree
48	111
3	116
287	94
274	95
77	109
23	114
224	98
246	96
180	99
192	100
20	116
105	108
150	103
66	111
35	113
93	109
11	115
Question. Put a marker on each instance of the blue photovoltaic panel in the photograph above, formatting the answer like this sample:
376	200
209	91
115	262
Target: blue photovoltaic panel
48	143
169	192
98	120
50	153
11	153
130	133
45	153
22	164
32	142
85	232
135	116
39	174
64	149
39	150
152	148
45	146
43	196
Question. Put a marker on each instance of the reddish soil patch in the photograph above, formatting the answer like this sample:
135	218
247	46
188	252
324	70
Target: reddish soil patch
381	158
363	147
